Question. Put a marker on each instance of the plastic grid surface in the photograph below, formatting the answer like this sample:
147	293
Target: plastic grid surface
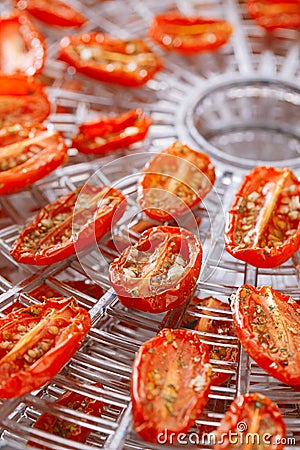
107	354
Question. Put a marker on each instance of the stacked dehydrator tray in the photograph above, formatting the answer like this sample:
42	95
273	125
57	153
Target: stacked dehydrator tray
241	106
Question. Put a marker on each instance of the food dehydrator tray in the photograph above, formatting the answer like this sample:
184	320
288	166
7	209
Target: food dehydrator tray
240	105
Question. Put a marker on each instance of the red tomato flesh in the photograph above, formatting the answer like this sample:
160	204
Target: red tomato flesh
35	153
215	326
22	48
263	226
22	100
64	428
175	181
54	12
252	421
72	223
267	323
170	384
110	59
36	342
272	14
189	34
107	134
160	271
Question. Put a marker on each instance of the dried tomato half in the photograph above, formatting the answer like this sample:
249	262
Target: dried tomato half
160	271
170	383
267	323
36	342
263	226
272	14
64	428
212	323
107	134
54	12
22	100
252	421
33	154
110	59
60	229
189	34
175	181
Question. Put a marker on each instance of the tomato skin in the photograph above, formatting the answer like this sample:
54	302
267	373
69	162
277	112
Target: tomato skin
175	169
219	327
55	243
22	100
103	44
157	289
59	323
275	189
267	324
272	14
27	50
260	415
188	34
50	152
64	428
112	130
56	12
170	384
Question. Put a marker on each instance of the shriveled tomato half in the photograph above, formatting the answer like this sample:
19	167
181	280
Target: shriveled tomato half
107	134
267	323
251	418
45	291
189	34
160	271
60	230
263	222
37	342
110	59
35	153
170	384
22	100
64	428
174	181
211	323
272	14
22	47
54	12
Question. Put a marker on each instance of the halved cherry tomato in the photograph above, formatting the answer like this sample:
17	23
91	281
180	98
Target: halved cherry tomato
170	384
267	323
272	14
45	291
22	48
64	428
252	421
189	34
107	134
110	59
37	342
219	327
22	100
174	181
35	153
60	230
54	12
263	226
160	271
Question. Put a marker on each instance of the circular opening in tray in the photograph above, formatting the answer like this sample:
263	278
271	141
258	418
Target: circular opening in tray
248	122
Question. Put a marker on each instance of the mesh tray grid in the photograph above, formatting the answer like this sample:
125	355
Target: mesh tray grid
107	354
